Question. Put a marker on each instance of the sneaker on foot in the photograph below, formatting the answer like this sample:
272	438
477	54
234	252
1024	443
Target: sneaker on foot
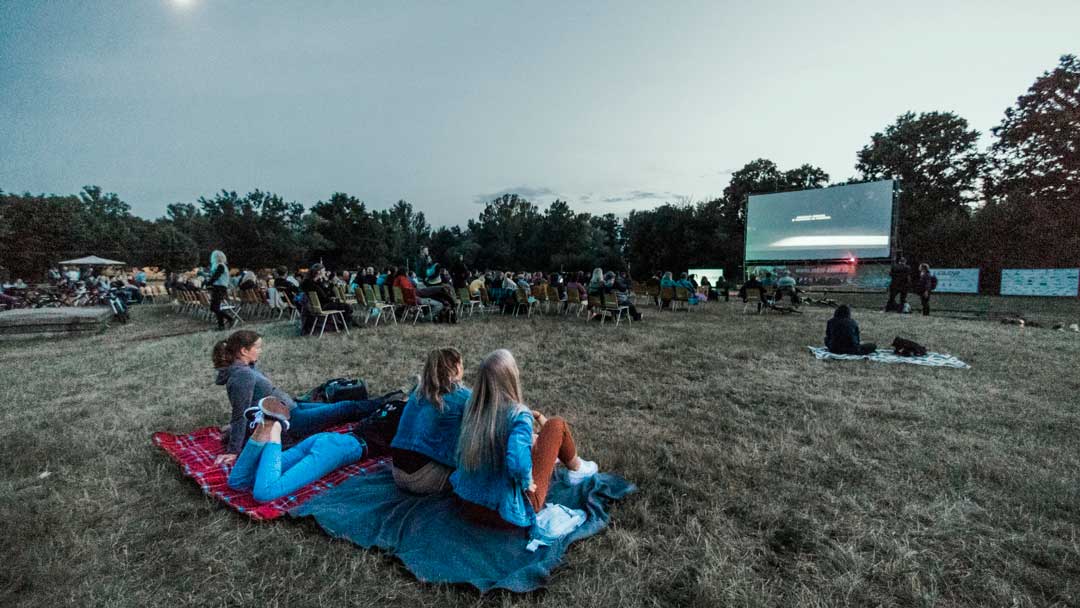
587	469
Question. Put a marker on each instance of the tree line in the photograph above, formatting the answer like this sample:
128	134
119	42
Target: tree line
1015	204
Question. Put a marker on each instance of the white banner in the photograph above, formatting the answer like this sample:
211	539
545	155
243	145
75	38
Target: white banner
1040	282
956	280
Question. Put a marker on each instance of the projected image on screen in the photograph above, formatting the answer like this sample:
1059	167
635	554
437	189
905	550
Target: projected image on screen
825	224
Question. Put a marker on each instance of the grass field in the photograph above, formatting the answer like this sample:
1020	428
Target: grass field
766	477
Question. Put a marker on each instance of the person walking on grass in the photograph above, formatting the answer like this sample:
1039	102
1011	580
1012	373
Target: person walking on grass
424	449
507	452
235	361
219	287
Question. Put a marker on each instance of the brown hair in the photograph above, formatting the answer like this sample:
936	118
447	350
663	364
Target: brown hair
485	427
438	377
226	351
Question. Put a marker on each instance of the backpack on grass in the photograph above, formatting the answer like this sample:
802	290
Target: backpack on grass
908	348
380	426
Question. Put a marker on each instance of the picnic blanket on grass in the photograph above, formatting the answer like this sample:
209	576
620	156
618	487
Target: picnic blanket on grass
195	453
439	545
884	356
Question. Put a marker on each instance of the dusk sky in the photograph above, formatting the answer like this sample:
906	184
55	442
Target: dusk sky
608	105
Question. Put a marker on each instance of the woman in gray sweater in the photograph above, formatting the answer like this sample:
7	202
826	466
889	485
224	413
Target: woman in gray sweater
234	360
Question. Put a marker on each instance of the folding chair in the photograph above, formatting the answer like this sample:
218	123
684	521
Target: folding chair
465	299
378	304
596	308
756	297
612	308
667	295
414	309
682	299
317	311
522	298
573	298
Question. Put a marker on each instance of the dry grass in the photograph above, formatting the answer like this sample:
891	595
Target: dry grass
766	477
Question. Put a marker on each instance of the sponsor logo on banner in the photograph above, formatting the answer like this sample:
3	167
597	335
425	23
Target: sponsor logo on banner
956	280
1040	282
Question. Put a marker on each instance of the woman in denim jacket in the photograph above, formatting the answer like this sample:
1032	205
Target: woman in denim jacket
425	446
504	472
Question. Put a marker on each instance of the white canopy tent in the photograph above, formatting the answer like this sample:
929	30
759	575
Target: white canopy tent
92	260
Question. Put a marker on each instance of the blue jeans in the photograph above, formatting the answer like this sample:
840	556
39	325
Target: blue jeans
271	473
310	417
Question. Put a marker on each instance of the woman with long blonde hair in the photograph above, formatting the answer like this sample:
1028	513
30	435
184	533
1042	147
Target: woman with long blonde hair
424	449
503	473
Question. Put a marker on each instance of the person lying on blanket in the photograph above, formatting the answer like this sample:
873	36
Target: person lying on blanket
269	472
234	360
504	472
425	447
842	334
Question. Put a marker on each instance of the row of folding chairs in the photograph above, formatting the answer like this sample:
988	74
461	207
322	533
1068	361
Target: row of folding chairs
197	304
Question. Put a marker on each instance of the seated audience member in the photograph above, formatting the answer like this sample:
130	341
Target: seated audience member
621	287
247	280
318	281
369	277
751	284
283	285
842	334
269	472
475	285
577	283
410	297
706	287
235	361
503	474
596	283
424	449
785	285
666	282
685	282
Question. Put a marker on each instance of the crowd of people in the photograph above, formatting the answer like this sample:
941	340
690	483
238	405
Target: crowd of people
482	444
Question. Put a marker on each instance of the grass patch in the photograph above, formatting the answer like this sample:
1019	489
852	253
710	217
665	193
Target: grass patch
767	477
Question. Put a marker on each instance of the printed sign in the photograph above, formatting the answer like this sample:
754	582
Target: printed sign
1040	282
956	280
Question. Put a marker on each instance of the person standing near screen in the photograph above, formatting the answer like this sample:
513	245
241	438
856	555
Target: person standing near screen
899	283
924	285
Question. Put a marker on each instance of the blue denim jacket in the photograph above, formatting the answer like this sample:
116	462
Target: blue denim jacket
426	430
503	489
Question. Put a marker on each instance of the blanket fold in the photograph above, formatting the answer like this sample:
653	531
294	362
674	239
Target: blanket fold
437	544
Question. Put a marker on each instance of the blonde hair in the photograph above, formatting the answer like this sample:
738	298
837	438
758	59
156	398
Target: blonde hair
485	427
438	377
217	257
597	276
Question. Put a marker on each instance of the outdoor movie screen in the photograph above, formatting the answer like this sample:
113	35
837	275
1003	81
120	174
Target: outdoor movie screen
842	222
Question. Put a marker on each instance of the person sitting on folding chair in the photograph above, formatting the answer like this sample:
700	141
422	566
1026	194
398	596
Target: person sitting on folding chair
785	285
318	281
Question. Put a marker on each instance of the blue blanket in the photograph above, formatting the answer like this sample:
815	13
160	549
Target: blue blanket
438	545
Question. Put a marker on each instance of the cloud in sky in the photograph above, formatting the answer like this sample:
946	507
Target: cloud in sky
634	196
528	193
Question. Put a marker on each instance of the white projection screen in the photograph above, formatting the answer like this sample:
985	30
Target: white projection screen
839	223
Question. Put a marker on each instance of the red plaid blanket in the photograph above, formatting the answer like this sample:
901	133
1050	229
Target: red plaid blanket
195	453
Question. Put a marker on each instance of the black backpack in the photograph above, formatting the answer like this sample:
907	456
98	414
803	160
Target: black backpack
380	426
339	389
908	348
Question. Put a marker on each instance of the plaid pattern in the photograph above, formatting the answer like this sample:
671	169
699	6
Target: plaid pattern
195	453
887	356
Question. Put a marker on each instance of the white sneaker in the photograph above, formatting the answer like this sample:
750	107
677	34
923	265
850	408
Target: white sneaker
587	469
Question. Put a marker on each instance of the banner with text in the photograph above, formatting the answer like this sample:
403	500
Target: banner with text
1040	282
956	280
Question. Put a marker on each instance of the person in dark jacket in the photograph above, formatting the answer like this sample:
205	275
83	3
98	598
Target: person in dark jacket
899	284
923	286
318	281
842	334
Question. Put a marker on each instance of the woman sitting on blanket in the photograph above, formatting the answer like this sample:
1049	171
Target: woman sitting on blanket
425	446
842	334
269	472
504	470
234	359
